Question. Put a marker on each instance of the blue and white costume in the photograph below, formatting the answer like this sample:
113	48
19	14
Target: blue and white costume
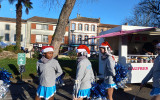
84	74
109	72
48	71
108	65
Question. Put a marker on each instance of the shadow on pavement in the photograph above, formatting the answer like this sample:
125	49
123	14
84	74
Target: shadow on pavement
22	90
14	69
34	78
121	95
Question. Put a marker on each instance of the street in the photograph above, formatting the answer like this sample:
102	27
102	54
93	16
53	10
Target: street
27	91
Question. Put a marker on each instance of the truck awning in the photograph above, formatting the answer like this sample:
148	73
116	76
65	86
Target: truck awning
112	34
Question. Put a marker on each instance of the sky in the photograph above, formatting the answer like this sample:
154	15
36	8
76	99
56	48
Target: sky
109	11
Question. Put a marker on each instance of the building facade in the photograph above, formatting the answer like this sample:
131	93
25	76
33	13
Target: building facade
8	31
81	29
36	31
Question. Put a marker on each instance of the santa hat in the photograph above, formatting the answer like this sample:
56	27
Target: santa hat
105	45
47	49
83	48
108	51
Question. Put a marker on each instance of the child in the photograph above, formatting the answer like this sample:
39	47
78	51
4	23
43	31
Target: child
109	71
155	73
84	75
48	70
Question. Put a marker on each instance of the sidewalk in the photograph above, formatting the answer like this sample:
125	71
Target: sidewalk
27	91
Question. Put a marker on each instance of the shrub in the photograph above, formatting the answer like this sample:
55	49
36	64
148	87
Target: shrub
10	48
36	55
72	54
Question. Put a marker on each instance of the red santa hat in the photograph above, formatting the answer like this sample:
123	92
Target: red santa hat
83	48
47	49
105	45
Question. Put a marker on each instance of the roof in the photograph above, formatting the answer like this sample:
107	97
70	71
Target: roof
85	19
124	30
9	19
107	25
42	19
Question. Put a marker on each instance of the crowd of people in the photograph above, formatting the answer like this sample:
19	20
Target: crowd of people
49	69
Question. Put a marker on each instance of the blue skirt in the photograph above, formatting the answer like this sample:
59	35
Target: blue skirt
155	91
84	93
110	85
45	92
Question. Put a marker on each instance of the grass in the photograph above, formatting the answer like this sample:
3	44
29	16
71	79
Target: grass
69	66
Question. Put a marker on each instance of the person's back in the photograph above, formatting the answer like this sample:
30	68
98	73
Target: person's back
86	73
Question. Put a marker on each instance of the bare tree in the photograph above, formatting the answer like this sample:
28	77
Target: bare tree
153	8
146	13
61	25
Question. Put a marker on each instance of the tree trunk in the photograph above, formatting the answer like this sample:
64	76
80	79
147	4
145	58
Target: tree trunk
18	25
62	23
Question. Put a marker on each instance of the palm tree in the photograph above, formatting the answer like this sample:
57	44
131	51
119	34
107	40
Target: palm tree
19	4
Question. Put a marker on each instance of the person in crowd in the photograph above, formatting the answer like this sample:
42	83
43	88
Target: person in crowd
155	73
149	48
84	74
109	71
48	70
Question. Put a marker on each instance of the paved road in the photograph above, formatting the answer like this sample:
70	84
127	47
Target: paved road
27	91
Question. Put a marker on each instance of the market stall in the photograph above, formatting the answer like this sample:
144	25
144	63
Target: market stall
127	43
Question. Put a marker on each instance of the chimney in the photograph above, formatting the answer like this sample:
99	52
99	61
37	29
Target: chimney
77	15
99	19
126	24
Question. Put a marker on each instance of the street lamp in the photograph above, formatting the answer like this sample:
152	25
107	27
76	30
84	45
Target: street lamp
70	39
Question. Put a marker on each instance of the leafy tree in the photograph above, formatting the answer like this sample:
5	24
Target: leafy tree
19	4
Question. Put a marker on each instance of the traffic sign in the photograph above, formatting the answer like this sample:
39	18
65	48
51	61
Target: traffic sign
21	59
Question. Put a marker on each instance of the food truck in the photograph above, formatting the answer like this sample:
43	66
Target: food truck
127	43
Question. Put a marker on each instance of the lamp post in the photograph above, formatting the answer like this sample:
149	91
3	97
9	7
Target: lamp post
71	41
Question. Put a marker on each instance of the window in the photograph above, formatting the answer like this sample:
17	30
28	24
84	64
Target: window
93	27
73	26
80	27
86	27
92	40
38	26
41	26
45	27
7	27
80	39
101	30
45	38
73	38
86	39
15	37
38	38
6	37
